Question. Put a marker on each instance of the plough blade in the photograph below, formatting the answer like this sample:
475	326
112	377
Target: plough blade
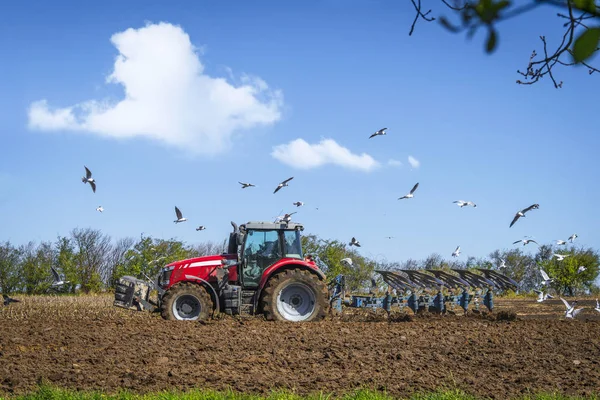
476	281
504	282
426	281
450	281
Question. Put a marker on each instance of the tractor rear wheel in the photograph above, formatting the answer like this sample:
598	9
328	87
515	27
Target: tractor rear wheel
295	295
186	302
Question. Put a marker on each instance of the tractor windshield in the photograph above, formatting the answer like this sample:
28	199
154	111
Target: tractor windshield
293	245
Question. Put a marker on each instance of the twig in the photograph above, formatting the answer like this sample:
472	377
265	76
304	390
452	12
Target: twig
419	14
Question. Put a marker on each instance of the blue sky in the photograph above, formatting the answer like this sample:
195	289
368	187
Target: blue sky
296	70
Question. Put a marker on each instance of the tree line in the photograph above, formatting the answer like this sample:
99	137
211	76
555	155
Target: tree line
91	261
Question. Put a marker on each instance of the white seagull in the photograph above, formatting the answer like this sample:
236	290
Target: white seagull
100	208
346	261
521	213
503	263
597	306
560	242
179	216
379	132
410	195
571	311
201	228
581	269
354	242
282	184
245	185
462	203
298	204
560	257
88	179
526	241
456	252
547	280
541	296
57	279
573	237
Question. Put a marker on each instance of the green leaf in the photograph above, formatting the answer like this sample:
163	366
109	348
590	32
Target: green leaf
444	21
501	4
586	44
586	5
491	41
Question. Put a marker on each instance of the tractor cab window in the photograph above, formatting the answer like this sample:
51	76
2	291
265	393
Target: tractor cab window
292	245
262	249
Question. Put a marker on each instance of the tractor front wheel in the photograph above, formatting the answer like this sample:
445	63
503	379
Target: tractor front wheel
295	295
186	302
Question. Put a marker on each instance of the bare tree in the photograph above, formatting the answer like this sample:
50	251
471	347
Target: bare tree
91	258
116	257
579	41
9	268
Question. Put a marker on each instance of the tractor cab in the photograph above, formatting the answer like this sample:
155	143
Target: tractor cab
259	245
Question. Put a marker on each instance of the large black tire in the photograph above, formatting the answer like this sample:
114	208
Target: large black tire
295	295
186	302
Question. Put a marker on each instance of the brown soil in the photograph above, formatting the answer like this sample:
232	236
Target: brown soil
112	349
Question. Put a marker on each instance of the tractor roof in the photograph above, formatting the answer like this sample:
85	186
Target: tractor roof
266	225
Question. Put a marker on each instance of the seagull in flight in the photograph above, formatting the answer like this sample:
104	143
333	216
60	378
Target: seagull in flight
100	208
282	184
526	241
410	195
298	204
521	213
179	216
456	252
354	242
8	300
346	261
462	203
503	263
560	257
58	281
379	132
581	269
573	237
597	306
288	217
389	237
560	242
201	228
571	311
541	296
88	179
245	185
547	280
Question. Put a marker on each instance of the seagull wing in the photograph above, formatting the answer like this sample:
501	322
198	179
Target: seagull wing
533	241
577	311
566	303
531	207
178	213
288	179
277	189
414	188
544	275
88	173
93	184
56	277
373	135
517	216
518	241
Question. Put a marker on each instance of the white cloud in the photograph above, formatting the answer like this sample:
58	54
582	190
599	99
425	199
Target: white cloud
413	162
300	154
168	97
394	163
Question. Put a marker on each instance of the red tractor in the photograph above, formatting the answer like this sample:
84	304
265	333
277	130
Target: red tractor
263	271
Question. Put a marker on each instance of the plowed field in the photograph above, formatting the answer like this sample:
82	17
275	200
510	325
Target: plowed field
86	343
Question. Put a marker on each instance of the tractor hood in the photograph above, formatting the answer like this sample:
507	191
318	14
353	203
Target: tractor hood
206	261
203	268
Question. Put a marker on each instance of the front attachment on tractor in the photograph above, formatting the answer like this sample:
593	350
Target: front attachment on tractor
133	294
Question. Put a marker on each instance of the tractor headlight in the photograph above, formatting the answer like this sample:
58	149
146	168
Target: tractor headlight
165	276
